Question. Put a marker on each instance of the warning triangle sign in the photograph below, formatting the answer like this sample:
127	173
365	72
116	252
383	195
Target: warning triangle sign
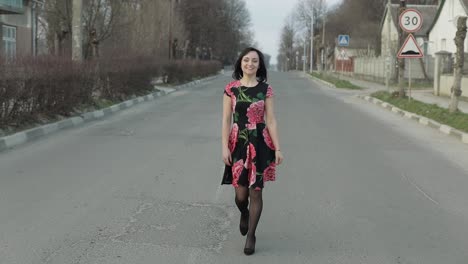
410	49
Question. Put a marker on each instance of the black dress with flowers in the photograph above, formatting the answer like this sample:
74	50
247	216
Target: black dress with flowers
252	150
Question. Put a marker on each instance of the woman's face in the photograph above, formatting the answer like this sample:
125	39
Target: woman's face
250	63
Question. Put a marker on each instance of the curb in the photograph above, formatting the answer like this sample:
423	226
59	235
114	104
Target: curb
29	135
447	130
322	81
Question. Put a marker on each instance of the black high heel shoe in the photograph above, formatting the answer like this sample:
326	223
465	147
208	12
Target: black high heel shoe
244	224
250	250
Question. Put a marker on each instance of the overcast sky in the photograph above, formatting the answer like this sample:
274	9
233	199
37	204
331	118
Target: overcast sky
268	18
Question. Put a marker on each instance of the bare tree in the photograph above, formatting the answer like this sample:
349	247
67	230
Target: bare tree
219	28
77	50
55	19
460	57
286	50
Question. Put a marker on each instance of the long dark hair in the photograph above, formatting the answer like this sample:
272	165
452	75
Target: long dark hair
261	71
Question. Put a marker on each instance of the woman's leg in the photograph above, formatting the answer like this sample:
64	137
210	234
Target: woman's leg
242	202
255	211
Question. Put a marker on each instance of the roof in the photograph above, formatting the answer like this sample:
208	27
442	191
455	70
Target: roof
428	13
442	3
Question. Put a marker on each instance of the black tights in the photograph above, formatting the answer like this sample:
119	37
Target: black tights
255	209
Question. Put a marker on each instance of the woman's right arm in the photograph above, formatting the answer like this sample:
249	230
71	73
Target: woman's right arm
226	127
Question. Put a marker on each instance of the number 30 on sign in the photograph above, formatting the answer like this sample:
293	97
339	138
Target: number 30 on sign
411	20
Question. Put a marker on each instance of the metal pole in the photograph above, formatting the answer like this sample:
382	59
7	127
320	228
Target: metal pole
312	42
305	56
409	79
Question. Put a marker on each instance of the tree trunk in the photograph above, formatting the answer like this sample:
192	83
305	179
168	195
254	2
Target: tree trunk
77	38
459	42
401	62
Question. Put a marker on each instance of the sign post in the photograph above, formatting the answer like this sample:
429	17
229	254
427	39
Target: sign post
343	41
410	21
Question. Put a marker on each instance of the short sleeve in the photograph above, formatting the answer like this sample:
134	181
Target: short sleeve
270	92
227	89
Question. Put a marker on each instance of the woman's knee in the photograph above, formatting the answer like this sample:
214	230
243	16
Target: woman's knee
255	195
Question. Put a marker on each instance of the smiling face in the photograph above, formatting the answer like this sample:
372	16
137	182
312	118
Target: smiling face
250	63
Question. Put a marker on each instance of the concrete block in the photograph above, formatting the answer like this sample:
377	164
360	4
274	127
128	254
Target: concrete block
465	138
77	120
114	108
98	114
424	121
34	133
408	115
445	129
15	139
52	127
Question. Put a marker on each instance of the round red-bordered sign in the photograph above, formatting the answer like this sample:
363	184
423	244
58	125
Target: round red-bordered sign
411	20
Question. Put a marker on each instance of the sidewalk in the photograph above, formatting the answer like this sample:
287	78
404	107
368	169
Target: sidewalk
423	95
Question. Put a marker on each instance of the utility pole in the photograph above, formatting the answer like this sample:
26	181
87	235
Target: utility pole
304	57
312	42
401	62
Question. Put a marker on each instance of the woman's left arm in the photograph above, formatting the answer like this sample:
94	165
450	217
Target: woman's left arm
271	124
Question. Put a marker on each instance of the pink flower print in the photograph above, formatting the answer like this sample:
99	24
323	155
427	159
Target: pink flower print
236	172
269	172
251	126
255	112
267	138
251	154
247	159
230	85
252	175
233	137
270	92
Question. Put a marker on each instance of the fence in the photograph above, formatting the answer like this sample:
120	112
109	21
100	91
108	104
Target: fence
375	68
446	83
443	72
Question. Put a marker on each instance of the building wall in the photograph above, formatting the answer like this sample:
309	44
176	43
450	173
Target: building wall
442	34
22	22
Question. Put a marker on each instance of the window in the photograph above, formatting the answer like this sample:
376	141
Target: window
9	41
443	44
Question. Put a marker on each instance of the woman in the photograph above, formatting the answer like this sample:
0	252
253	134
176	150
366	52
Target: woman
250	147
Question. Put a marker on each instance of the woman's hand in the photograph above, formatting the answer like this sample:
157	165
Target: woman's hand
278	157
227	157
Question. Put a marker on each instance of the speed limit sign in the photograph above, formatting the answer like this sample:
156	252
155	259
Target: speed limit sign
411	20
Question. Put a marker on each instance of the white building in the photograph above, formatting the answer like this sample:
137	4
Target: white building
443	29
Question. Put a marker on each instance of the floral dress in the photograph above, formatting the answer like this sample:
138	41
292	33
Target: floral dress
250	144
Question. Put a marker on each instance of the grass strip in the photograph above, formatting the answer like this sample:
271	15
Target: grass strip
339	83
458	120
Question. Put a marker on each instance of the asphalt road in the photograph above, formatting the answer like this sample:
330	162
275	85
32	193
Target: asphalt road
358	185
